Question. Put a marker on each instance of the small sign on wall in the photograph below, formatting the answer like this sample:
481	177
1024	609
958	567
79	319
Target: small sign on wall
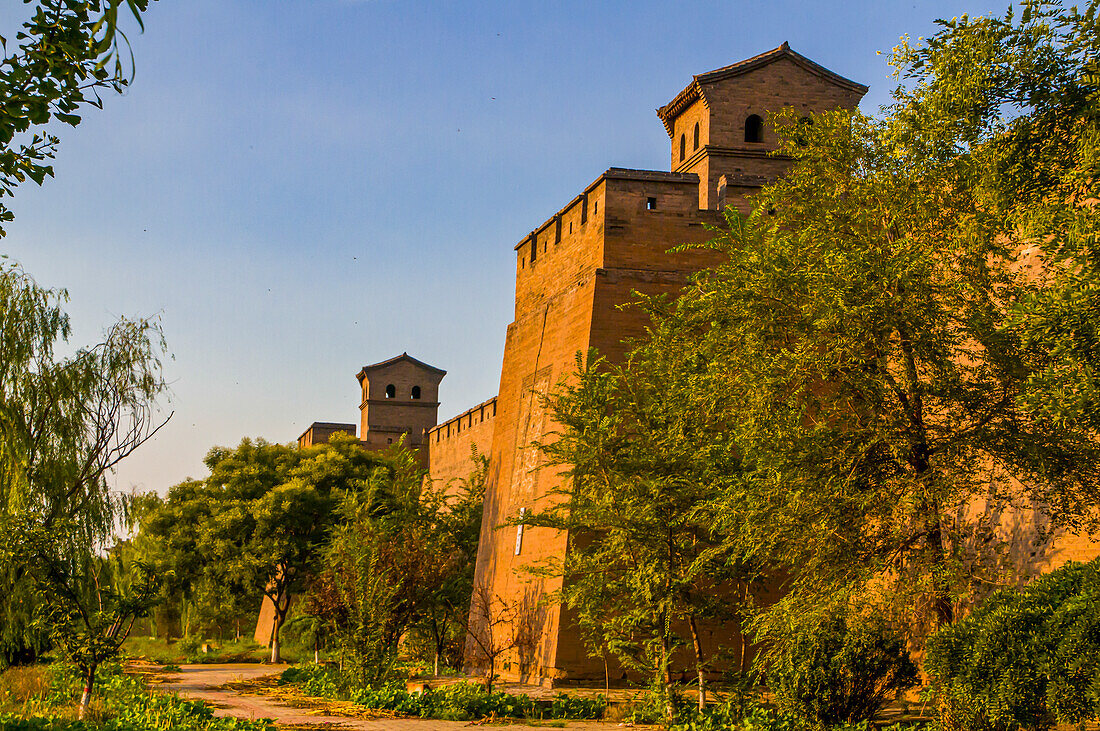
519	531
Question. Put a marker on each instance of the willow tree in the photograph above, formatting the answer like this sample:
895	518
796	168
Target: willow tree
65	423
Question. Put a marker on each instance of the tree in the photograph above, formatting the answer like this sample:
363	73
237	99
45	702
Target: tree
493	629
885	347
1022	91
68	52
456	529
645	565
400	559
254	528
65	423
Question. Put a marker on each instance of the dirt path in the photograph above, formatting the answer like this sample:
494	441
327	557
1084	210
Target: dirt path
204	682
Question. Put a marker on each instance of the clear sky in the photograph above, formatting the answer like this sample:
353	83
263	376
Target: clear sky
302	187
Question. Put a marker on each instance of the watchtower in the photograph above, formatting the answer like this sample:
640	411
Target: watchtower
719	125
573	273
399	396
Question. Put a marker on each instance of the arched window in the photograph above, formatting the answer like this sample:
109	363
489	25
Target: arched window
391	391
416	392
696	137
754	128
683	147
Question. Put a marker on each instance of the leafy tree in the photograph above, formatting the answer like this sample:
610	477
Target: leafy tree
865	334
400	559
65	422
645	565
255	527
1023	91
68	52
444	618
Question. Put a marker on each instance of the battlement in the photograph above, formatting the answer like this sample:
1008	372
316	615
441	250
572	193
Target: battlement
573	243
465	421
451	444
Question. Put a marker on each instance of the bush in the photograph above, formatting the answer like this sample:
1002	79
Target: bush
753	717
188	647
1024	659
840	669
455	702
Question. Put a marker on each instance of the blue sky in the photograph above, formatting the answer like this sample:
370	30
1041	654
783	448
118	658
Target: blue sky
300	188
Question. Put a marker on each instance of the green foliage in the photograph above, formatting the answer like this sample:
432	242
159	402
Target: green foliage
441	625
401	557
67	53
1023	659
127	704
65	423
253	529
455	702
645	563
725	716
840	668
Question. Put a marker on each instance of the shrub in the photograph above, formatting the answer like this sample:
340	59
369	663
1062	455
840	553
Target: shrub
455	702
188	647
753	717
1024	659
840	669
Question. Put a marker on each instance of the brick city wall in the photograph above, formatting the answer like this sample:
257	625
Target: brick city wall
450	444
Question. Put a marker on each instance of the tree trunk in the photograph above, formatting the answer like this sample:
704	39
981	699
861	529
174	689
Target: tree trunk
666	679
275	626
86	696
435	669
698	645
941	603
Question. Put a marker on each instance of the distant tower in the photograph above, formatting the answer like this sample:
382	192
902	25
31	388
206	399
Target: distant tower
399	396
719	123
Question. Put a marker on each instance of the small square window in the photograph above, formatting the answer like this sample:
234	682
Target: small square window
651	204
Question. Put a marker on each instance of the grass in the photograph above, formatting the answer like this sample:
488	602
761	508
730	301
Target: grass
178	652
44	698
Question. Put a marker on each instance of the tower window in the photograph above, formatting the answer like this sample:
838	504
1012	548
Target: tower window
754	128
416	392
651	204
696	137
391	391
683	147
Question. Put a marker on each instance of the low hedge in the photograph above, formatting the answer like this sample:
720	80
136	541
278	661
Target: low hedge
455	702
